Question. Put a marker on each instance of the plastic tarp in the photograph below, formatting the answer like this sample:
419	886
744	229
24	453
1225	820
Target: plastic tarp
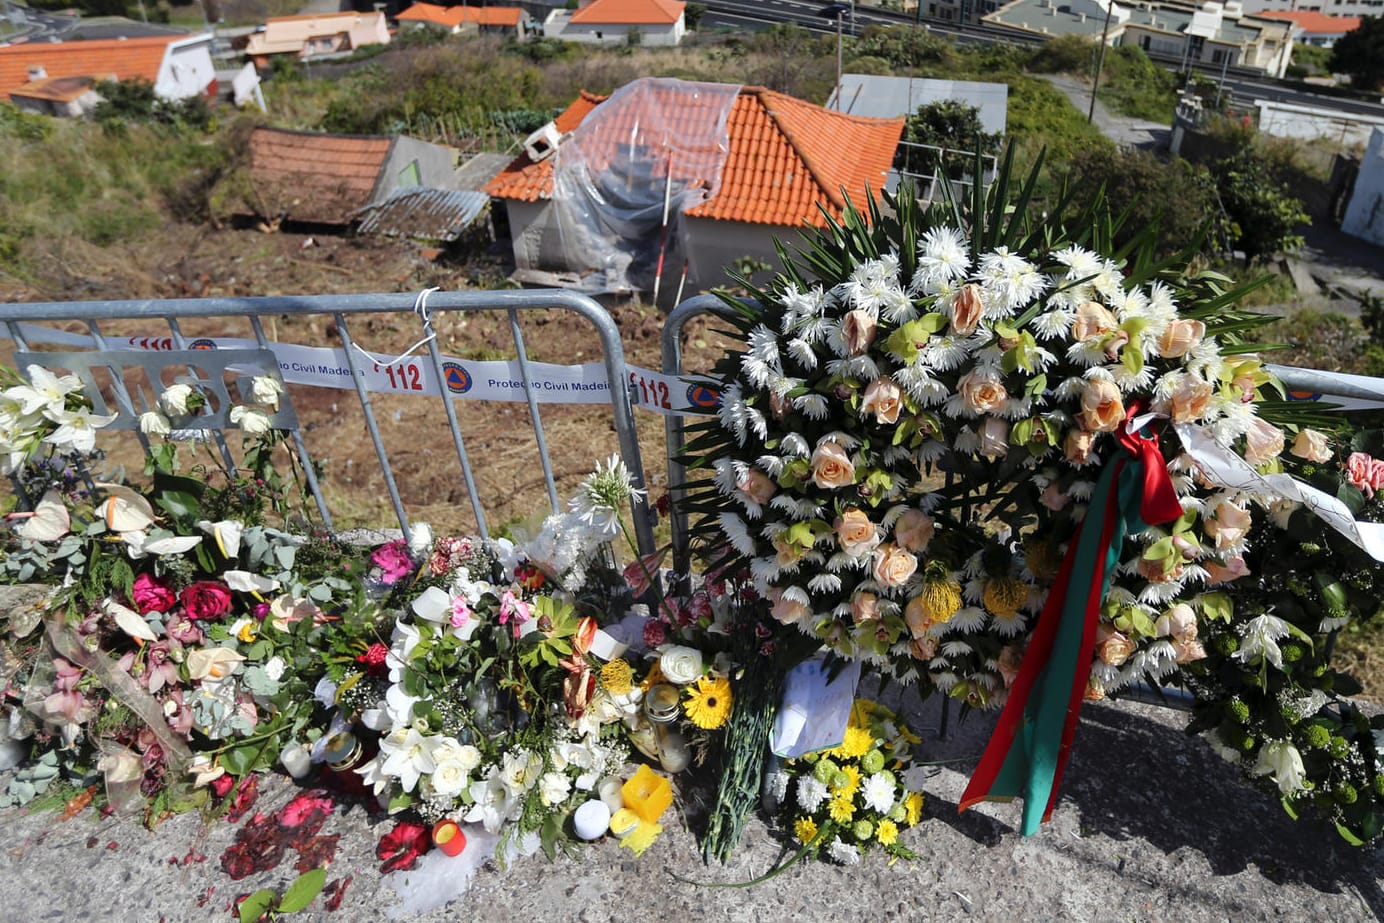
625	176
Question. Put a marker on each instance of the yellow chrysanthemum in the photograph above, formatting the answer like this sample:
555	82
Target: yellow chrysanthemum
857	742
847	787
1003	596
937	601
842	810
617	677
805	829
708	702
913	808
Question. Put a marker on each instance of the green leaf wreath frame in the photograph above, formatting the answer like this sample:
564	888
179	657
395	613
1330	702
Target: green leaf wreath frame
908	440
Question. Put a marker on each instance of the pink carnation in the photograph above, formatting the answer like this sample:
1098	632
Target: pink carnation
393	561
1365	472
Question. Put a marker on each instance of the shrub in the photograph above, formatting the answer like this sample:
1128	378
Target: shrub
1066	54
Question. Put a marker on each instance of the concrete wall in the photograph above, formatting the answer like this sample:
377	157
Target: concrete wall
187	69
437	166
559	25
1364	216
713	245
1288	121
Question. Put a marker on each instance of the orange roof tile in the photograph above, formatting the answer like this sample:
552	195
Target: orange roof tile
631	12
125	58
308	176
430	12
491	15
1313	22
786	157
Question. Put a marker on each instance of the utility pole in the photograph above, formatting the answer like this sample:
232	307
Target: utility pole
1100	59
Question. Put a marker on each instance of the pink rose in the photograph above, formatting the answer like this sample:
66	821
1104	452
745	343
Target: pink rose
1189	400
1180	337
393	561
1228	526
150	594
1365	472
864	608
1112	647
858	330
893	565
1092	320
884	399
856	533
205	600
1233	569
786	611
1178	623
832	468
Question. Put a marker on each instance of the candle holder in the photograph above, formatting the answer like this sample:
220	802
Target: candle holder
447	836
647	794
662	706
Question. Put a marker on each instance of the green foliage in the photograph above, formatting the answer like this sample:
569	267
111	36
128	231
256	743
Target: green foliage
1134	86
692	15
16	123
1041	115
1066	54
905	47
951	124
268	904
126	101
1360	53
1313	59
1263	214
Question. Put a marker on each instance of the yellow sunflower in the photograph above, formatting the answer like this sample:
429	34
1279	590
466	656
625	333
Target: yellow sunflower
708	702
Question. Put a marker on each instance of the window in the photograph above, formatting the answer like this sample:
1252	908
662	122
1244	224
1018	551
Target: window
411	175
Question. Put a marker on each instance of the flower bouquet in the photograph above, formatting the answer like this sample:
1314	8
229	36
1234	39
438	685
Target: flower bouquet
989	453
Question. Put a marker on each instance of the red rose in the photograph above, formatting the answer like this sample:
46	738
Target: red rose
150	594
206	600
374	659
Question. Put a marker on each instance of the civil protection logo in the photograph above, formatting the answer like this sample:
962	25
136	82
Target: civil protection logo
202	344
457	379
1304	395
703	397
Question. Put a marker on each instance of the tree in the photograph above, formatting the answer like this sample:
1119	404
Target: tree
1263	213
950	124
1360	53
692	15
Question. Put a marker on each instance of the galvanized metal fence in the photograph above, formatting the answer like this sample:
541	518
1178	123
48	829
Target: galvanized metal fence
124	373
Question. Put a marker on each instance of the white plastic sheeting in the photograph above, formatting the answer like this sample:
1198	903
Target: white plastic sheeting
625	176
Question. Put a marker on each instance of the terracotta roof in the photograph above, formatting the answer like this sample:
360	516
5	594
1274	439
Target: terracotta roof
430	12
1313	22
786	157
59	89
629	12
491	15
308	176
125	58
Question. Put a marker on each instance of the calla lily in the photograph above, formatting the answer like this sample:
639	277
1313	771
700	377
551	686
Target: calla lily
130	621
50	520
242	581
124	509
212	663
227	533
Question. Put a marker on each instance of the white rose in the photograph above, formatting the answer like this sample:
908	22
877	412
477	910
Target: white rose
251	422
553	788
174	400
681	665
154	423
449	778
265	389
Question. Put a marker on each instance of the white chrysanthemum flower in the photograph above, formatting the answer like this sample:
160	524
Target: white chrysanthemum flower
1161	309
811	793
763	345
861	367
795	446
757	371
930	452
966	619
945	681
1261	635
956	649
777	785
813	406
1110	281
797	507
737	533
945	353
801	352
899	308
823	584
1130	382
943	254
603	493
1009	282
756	422
772	465
878	792
842	852
967	440
765	570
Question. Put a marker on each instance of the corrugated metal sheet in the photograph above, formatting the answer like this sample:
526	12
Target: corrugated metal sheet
430	214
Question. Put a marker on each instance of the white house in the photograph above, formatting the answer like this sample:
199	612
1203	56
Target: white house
177	66
1364	216
619	22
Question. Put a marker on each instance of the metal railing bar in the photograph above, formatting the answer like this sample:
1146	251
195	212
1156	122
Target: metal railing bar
304	459
217	435
458	443
122	394
367	407
523	356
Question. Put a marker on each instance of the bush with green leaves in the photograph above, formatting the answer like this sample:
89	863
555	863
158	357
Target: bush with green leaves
1263	214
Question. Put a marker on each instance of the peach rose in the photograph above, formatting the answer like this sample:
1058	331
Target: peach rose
865	608
1178	623
893	565
1011	655
982	391
1053	498
1188	651
786	611
1233	569
855	533
1312	446
914	529
1263	442
1189	399
966	309
1152	570
786	553
1077	446
994	438
1112	647
1102	410
884	399
757	486
923	648
1092	320
858	330
1228	526
831	466
916	617
1180	337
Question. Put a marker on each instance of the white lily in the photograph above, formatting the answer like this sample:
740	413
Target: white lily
76	430
46	391
407	755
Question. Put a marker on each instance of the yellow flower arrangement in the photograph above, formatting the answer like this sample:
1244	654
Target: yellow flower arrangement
842	809
913	808
617	677
708	702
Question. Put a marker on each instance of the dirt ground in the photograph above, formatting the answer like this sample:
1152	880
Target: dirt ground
204	262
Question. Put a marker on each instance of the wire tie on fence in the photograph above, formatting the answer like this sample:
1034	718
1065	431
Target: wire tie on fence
420	307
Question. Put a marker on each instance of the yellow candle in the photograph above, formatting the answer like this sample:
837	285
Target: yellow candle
647	794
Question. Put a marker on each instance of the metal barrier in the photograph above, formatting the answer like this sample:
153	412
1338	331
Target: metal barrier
207	361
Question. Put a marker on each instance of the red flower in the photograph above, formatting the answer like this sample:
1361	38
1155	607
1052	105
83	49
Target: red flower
244	800
374	659
206	600
221	785
401	847
393	561
654	633
150	594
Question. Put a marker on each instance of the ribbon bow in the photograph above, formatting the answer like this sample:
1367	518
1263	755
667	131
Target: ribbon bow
1030	745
